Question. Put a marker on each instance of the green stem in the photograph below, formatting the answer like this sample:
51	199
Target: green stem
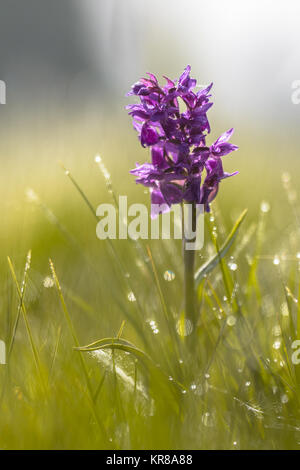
189	270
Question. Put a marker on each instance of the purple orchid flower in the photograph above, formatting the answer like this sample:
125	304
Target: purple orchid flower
178	142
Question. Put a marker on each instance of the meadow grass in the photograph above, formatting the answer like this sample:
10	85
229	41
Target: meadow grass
97	356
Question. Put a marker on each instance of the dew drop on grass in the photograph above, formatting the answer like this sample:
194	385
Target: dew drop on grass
248	383
197	389
169	275
284	310
48	282
265	207
276	344
284	398
276	260
215	232
102	168
276	330
232	266
131	297
231	320
153	326
298	255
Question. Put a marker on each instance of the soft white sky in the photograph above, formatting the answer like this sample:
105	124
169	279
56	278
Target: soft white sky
249	49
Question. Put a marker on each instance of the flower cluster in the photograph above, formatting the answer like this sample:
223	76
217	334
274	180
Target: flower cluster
177	138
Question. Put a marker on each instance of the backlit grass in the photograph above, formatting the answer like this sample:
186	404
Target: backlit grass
236	387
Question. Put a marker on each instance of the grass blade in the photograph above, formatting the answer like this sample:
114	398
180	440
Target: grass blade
22	294
170	389
21	291
112	252
76	342
214	261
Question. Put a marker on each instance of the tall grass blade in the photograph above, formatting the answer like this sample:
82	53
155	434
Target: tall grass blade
76	342
207	267
170	390
113	252
21	291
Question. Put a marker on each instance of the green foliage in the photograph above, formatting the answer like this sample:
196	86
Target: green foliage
146	385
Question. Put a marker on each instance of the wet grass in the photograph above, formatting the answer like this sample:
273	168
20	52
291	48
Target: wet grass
139	382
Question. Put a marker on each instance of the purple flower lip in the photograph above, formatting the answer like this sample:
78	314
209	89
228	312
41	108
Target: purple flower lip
179	154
